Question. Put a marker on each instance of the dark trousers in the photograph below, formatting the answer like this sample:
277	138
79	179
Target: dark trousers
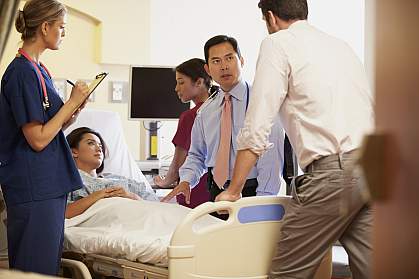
249	190
35	232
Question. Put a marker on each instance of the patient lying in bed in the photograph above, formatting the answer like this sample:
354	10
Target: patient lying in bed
88	149
104	217
124	228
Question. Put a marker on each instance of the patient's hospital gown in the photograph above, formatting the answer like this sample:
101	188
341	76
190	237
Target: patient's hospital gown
93	184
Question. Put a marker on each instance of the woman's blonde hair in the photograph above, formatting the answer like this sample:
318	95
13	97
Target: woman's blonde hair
36	12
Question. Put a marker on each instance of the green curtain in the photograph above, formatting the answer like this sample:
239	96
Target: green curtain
8	10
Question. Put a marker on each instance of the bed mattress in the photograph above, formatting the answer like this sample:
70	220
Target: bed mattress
127	229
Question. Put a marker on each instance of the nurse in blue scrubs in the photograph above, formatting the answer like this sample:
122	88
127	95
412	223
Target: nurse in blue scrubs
36	167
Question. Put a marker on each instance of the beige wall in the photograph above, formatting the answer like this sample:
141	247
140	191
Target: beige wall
125	29
100	37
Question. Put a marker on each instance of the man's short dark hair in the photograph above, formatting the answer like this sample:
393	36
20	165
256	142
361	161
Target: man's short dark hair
285	9
219	40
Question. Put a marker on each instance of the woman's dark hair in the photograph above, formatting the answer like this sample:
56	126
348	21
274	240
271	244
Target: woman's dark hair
194	68
75	137
36	12
219	40
285	9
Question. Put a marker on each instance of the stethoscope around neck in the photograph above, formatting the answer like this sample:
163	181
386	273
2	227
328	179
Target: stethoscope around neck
45	102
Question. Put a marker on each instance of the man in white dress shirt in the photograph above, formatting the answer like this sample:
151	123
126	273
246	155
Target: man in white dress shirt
319	88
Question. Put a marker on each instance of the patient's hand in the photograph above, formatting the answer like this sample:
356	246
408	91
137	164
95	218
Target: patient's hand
118	191
101	194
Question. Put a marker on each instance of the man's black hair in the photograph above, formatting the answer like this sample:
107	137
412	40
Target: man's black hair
219	39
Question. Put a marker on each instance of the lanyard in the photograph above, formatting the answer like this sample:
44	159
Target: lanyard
45	102
247	95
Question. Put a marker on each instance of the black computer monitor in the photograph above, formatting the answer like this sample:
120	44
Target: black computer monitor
153	95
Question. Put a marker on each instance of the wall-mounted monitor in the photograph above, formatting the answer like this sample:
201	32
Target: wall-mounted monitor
152	94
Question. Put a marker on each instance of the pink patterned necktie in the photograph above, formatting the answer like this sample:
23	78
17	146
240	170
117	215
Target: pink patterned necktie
221	168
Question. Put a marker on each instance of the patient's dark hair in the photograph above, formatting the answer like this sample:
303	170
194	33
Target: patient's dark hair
75	137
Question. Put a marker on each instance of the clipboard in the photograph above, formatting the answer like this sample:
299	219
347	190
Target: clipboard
98	79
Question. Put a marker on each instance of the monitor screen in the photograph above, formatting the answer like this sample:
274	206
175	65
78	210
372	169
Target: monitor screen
153	95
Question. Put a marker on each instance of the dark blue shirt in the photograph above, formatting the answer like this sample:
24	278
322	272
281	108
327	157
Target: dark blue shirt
25	174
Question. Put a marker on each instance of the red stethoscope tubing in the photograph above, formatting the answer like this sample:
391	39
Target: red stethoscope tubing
41	78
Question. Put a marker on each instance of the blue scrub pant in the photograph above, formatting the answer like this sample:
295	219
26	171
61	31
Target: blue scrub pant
35	233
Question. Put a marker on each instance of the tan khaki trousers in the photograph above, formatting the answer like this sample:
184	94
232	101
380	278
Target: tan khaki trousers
328	205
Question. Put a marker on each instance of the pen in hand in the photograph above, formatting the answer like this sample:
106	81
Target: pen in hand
82	106
71	83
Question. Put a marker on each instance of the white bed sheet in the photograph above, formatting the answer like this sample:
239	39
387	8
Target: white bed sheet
123	228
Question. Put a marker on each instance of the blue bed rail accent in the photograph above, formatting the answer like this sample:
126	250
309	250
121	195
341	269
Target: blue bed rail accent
261	213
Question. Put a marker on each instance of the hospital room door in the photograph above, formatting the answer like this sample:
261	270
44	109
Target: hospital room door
396	235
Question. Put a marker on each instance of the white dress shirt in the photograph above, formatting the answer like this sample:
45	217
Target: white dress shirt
319	88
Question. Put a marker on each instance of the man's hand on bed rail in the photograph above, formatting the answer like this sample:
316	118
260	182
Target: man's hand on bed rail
182	188
245	160
228	196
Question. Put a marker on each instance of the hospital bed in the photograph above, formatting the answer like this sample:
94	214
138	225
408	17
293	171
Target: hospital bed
241	247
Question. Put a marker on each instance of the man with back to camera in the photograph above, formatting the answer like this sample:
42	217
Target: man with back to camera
213	145
319	88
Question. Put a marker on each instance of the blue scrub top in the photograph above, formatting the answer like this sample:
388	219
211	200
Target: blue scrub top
27	175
